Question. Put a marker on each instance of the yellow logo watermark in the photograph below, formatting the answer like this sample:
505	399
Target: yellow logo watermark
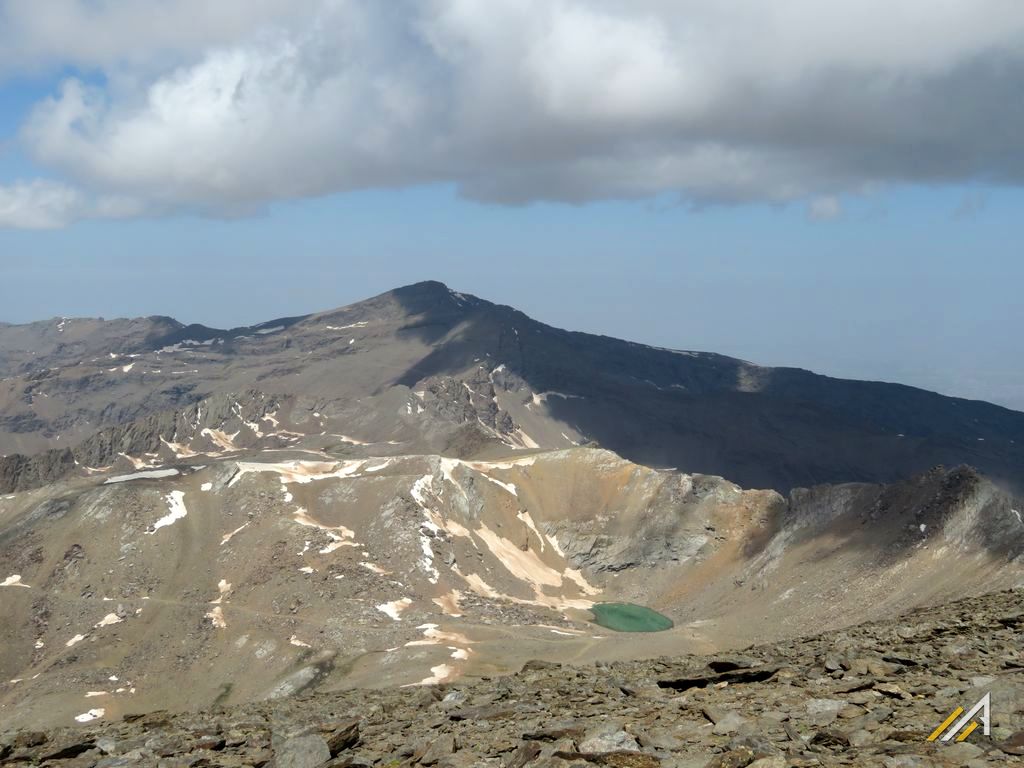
966	724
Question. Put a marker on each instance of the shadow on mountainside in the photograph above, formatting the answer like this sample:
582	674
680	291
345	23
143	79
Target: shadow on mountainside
760	427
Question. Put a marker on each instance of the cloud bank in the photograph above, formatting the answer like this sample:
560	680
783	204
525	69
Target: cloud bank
222	108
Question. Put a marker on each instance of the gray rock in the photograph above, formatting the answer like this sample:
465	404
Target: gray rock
824	706
309	751
860	738
439	748
730	723
132	758
961	752
905	761
610	738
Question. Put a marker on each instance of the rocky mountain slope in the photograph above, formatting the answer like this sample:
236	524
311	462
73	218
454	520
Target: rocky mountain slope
426	489
257	552
65	380
865	696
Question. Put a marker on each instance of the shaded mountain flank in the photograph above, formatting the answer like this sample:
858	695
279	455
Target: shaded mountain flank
761	427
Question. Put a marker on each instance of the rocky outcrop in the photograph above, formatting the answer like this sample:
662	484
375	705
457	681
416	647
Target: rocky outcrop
23	473
468	400
147	436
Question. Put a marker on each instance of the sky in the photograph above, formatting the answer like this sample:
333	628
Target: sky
835	186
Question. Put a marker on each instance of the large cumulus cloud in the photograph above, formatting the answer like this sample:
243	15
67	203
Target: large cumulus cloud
223	111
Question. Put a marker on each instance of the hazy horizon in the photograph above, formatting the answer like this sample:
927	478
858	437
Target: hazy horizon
869	368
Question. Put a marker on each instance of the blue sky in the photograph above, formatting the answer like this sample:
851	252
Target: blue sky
863	264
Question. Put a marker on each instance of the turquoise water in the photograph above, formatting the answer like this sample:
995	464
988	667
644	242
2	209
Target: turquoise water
626	617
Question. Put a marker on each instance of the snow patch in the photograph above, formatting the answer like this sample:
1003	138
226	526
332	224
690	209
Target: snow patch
394	609
439	674
180	450
449	603
216	617
427	563
337	542
528	520
351	440
539	399
137	463
228	536
176	504
360	324
14	581
300	471
301	516
151	475
106	621
525	566
524	440
220	438
92	714
419	491
433	635
510	487
74	641
223	589
553	541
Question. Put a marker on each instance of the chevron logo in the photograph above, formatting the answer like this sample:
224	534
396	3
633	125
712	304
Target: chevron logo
963	723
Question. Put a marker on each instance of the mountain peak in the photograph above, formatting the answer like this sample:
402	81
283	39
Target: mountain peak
424	286
430	290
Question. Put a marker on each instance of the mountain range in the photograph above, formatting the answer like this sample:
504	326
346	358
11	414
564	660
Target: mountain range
64	380
426	487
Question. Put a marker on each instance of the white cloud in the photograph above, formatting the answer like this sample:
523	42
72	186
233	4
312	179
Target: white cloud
49	204
223	107
106	33
38	204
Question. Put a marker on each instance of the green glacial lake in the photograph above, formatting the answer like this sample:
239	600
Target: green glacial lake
626	617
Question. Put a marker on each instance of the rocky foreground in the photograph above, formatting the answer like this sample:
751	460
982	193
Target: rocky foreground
865	696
